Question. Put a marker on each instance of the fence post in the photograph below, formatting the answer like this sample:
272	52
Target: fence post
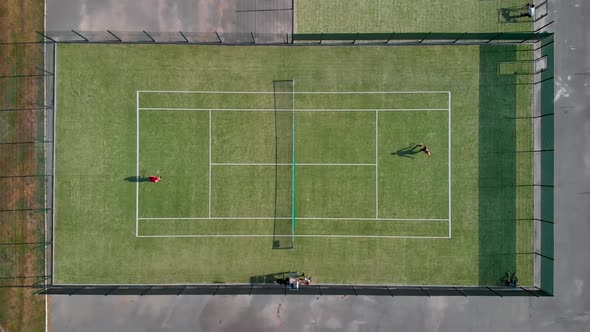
423	38
355	38
389	38
253	39
389	291
459	291
43	35
541	220
119	39
496	36
425	292
49	73
491	290
183	36
543	27
150	37
460	37
85	39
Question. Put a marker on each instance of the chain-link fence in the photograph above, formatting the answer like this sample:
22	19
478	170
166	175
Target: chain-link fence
313	290
264	38
24	213
425	38
540	78
544	122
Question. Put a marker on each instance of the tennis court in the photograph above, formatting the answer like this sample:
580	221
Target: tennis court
267	148
348	171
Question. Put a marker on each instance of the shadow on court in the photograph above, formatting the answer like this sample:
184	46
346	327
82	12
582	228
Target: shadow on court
497	169
135	179
270	278
407	152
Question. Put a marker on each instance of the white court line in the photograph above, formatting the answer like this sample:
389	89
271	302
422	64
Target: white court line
297	92
298	110
316	236
285	164
210	163
137	168
45	155
289	218
293	173
377	164
54	161
274	164
450	179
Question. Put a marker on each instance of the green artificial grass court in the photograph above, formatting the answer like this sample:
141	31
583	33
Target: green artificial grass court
354	16
353	164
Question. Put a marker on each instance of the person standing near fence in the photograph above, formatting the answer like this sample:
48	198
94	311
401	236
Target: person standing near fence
530	10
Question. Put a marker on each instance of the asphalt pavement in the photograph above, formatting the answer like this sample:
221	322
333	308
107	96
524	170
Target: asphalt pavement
568	310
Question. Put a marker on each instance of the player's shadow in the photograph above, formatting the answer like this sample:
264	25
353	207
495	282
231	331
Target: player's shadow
512	14
407	152
136	179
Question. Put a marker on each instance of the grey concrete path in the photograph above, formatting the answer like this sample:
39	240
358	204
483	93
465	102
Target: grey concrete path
133	15
257	16
569	310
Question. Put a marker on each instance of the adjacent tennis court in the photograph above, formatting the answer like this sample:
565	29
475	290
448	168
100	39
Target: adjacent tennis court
315	150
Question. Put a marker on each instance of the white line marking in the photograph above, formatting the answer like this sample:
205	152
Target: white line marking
298	92
52	238
137	167
210	163
53	212
450	179
293	188
274	164
45	155
298	110
286	164
288	218
317	236
377	164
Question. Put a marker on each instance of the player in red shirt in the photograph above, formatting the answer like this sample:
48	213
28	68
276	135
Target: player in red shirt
155	179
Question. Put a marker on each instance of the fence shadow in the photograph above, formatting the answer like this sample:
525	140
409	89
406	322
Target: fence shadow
497	170
271	278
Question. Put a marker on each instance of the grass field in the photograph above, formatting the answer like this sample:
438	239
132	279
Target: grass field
411	16
22	191
368	211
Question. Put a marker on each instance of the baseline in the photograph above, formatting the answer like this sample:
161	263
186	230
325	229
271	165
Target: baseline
297	110
296	92
287	218
301	236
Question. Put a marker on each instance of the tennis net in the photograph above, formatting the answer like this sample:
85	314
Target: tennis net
285	168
